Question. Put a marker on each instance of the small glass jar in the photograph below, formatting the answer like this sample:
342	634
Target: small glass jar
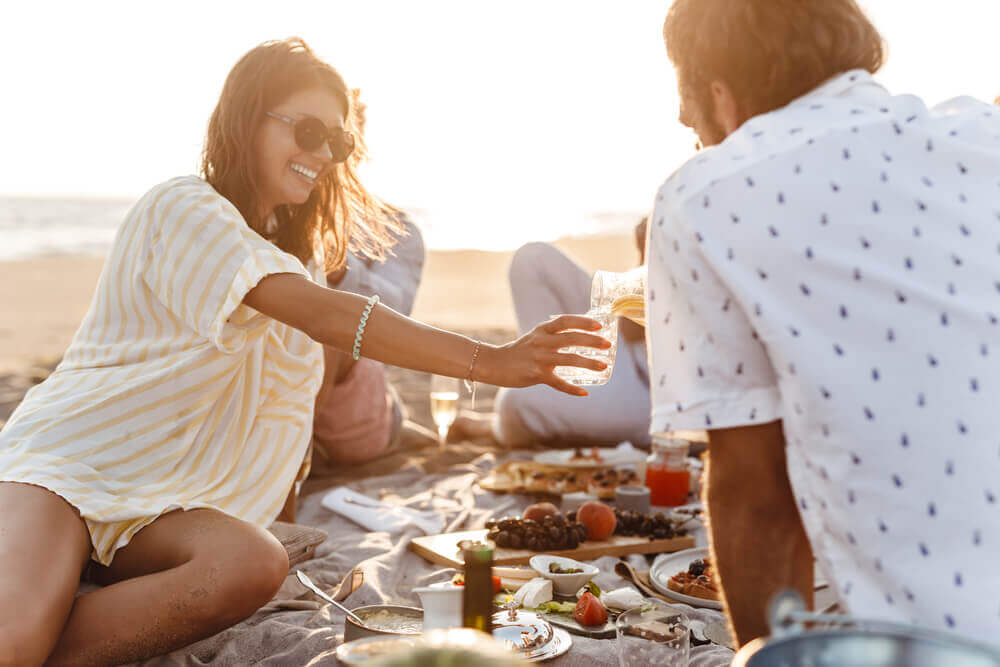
667	475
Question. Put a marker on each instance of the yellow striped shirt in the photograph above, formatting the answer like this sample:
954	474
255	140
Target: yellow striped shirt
173	394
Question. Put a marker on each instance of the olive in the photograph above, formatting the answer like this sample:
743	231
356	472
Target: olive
516	541
503	539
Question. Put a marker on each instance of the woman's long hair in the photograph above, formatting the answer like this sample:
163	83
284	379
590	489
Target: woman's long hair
340	215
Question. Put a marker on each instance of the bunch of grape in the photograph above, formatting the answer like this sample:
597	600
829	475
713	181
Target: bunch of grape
654	526
555	532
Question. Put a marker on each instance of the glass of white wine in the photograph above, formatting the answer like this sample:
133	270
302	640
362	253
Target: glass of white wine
444	403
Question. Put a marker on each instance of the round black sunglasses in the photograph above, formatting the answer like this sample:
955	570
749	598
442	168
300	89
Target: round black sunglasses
311	133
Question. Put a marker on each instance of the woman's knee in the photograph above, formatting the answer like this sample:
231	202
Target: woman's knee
238	584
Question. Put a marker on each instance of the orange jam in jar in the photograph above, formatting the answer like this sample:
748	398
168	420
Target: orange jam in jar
667	474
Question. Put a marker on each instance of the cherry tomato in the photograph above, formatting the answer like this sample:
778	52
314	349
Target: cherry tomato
497	586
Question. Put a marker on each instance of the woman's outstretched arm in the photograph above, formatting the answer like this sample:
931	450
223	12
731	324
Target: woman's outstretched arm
331	317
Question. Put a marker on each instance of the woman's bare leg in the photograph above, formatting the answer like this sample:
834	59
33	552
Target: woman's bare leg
44	546
186	576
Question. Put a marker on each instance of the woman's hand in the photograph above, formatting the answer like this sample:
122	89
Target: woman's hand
532	358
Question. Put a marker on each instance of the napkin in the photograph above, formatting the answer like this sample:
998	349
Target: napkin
378	516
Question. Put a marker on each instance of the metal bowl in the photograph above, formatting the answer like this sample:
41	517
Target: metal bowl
354	631
866	648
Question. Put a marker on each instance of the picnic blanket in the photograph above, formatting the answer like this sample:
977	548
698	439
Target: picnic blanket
297	628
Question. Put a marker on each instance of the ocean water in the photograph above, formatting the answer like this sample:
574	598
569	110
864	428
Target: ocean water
32	226
35	226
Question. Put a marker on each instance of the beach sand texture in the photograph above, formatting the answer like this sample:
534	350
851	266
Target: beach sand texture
43	300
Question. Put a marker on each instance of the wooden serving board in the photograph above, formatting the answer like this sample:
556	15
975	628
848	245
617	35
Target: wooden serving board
443	549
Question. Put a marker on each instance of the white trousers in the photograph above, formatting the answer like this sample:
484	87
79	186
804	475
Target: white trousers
545	282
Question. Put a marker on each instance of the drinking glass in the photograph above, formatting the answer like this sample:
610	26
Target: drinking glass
585	376
612	295
653	634
444	403
623	294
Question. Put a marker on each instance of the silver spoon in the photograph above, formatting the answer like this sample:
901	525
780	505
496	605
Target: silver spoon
308	583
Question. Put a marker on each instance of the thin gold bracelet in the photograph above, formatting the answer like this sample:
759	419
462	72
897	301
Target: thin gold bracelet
470	384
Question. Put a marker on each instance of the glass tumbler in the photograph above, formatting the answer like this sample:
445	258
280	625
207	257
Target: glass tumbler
585	376
653	634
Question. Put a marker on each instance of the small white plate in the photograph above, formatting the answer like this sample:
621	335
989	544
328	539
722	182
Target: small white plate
368	649
609	457
667	565
563	584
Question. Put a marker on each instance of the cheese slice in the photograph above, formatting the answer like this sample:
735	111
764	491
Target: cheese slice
536	592
623	598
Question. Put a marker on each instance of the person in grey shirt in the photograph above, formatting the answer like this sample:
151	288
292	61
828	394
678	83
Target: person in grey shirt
358	414
396	279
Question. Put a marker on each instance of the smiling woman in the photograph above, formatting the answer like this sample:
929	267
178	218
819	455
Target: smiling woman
284	140
169	436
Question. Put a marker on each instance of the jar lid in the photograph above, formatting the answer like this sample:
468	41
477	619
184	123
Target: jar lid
666	442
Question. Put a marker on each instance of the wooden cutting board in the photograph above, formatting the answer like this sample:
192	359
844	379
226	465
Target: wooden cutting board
443	549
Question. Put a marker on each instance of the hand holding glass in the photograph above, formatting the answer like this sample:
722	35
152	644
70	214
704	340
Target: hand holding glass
612	295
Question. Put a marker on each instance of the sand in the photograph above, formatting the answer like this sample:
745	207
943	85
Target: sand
43	300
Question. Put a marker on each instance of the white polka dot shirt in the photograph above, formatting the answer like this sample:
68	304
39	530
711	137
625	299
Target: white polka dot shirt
835	264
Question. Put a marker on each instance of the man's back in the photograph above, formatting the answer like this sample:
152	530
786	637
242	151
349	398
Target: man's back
836	264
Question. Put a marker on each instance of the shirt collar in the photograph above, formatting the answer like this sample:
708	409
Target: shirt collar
843	84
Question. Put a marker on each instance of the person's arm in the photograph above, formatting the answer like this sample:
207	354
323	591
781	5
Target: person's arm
331	317
758	541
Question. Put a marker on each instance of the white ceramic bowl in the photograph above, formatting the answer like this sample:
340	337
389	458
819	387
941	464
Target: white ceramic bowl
563	584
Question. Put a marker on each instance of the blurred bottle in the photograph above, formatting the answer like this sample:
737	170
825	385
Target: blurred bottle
477	596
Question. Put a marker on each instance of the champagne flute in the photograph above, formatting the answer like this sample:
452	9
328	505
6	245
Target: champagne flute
444	403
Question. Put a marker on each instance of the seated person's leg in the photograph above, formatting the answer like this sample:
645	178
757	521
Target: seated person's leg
545	282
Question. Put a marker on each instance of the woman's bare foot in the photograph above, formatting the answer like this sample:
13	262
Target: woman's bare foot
472	426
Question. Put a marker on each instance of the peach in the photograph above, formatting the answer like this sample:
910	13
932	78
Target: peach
598	519
539	511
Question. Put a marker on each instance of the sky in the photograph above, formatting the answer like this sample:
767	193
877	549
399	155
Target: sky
493	120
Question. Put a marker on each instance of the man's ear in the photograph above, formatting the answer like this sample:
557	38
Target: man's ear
725	108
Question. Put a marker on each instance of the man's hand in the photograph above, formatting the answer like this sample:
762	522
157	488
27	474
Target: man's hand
758	543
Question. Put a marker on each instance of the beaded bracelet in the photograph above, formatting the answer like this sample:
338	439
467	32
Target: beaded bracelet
361	325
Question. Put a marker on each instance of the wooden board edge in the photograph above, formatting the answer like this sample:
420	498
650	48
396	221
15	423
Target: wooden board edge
671	545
